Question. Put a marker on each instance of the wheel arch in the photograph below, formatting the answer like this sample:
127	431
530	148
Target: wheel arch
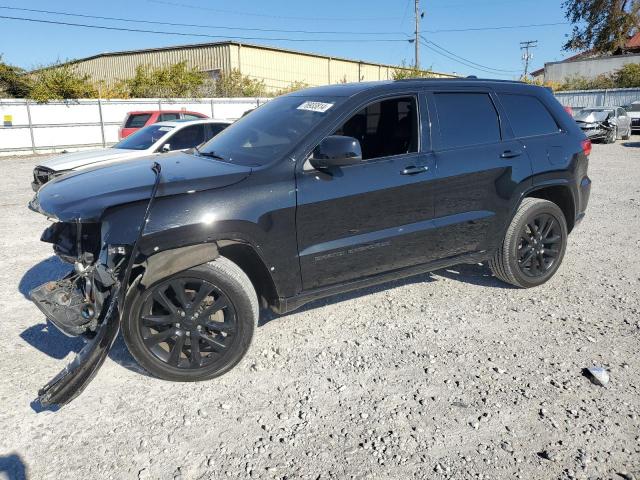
168	262
561	195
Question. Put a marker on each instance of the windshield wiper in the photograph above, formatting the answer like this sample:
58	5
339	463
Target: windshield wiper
210	154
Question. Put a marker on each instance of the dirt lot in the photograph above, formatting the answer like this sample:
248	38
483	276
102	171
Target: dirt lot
449	375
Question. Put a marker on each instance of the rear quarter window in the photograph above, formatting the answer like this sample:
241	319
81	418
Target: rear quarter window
137	121
467	119
527	115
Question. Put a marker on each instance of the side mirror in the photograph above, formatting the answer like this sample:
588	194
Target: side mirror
166	148
336	151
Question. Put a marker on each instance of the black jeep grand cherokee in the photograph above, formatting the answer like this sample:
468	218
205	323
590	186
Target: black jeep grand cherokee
317	192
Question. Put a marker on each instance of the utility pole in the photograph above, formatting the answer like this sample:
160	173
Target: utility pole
526	55
417	39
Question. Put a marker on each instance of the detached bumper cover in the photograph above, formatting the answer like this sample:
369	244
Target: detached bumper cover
74	378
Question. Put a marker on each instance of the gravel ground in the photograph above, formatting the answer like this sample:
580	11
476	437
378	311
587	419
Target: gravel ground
449	375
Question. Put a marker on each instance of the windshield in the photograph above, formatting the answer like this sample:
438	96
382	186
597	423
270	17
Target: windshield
270	131
143	138
592	114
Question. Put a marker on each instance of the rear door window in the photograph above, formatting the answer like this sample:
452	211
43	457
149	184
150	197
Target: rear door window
214	129
466	119
528	116
137	120
166	117
188	137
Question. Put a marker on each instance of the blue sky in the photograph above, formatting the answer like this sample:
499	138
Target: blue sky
33	44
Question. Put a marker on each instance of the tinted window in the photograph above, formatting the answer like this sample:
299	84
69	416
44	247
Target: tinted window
216	128
144	138
271	130
137	121
191	116
188	137
385	128
528	116
165	117
467	119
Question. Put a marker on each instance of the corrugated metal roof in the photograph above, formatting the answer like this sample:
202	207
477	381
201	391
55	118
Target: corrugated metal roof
230	42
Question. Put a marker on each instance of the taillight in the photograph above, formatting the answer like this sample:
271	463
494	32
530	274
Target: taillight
569	110
586	146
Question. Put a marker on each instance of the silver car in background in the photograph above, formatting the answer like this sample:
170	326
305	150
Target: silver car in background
151	140
604	123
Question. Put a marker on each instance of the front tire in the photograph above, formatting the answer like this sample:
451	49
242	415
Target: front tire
612	136
194	325
533	246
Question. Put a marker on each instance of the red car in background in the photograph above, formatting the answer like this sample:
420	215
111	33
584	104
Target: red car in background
136	120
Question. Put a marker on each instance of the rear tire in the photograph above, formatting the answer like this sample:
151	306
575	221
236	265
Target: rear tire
194	325
628	135
533	246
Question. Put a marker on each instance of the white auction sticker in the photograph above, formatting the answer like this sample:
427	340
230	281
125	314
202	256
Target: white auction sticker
315	106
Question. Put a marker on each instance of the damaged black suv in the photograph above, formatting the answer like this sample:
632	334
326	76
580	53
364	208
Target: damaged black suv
317	192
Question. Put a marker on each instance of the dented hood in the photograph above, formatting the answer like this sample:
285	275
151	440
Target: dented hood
86	194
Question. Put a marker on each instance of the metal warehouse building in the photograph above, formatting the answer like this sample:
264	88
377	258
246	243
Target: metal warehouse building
277	68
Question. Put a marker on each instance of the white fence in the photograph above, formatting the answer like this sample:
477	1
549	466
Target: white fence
27	127
615	97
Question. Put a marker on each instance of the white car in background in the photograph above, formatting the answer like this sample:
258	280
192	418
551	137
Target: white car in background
633	111
151	140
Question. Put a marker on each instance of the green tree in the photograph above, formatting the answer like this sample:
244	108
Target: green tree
234	84
602	26
410	72
628	76
172	81
13	81
60	82
293	87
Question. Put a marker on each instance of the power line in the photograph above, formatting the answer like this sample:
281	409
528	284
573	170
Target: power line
253	14
467	60
475	67
501	27
195	25
186	34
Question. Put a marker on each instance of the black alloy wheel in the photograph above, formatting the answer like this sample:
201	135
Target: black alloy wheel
188	323
540	245
193	325
534	244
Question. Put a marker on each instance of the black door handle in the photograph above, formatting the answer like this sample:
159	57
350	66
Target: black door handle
413	170
510	154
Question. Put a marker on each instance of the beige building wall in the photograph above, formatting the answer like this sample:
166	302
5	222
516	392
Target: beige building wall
277	68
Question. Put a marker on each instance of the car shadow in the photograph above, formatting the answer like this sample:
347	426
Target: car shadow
50	269
46	338
475	274
631	144
12	467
